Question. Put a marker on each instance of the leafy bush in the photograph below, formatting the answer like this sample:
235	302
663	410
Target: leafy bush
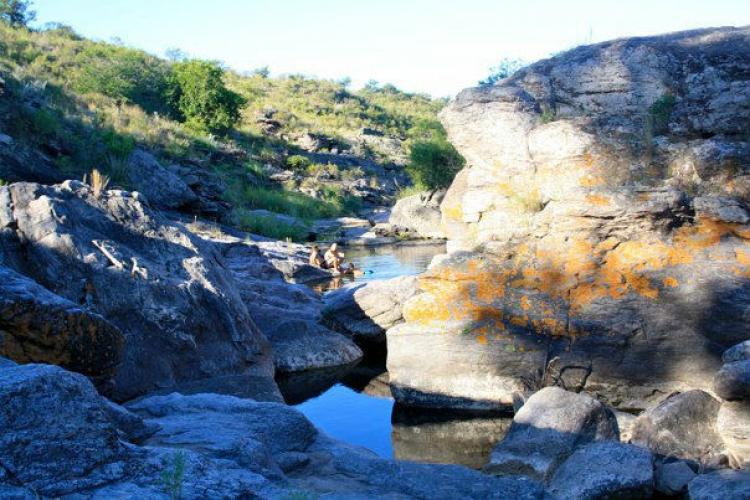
122	73
660	112
298	163
299	205
433	164
198	94
269	226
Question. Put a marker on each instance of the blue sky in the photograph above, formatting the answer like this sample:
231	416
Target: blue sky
438	47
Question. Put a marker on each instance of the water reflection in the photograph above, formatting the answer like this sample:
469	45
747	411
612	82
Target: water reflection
445	438
360	410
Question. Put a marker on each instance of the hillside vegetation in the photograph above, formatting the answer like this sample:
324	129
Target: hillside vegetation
296	145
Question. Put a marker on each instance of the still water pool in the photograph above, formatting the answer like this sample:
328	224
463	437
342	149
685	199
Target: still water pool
355	405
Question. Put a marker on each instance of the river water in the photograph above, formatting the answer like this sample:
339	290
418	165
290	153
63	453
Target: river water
355	405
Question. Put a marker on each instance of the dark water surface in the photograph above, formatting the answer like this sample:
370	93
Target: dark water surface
355	404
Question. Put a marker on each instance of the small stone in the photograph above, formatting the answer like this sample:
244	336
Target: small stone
672	478
732	381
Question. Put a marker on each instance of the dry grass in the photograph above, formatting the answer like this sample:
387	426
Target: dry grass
98	182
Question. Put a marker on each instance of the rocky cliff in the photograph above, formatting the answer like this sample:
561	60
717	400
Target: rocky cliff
599	236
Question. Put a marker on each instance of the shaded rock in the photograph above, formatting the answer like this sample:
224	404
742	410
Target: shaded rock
547	429
419	215
164	288
733	425
56	436
37	326
162	187
683	426
720	485
131	427
605	470
732	381
366	311
672	478
737	353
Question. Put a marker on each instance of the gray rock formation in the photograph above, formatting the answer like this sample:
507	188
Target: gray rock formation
547	429
162	187
720	485
37	326
732	381
165	289
605	470
58	440
738	352
56	435
681	426
418	216
598	232
366	311
288	314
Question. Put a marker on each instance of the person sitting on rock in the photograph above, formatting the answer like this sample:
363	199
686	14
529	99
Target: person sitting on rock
334	258
315	258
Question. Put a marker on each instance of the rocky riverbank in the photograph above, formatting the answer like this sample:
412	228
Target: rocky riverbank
596	287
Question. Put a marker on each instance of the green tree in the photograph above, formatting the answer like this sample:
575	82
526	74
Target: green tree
503	70
16	12
433	164
199	97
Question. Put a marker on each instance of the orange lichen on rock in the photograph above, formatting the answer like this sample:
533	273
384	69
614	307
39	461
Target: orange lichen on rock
598	200
671	282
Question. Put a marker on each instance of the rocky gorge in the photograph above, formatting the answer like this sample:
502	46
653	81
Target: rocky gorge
595	288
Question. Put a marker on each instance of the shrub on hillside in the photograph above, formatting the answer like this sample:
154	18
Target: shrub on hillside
433	164
198	94
122	73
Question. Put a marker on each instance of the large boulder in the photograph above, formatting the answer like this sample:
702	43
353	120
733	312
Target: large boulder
56	435
367	310
419	215
605	470
547	429
681	426
37	326
164	288
162	187
599	232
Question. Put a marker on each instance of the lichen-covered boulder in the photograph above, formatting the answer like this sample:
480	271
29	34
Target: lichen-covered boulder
599	233
37	326
165	289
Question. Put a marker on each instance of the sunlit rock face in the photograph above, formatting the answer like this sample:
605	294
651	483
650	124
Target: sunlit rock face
599	235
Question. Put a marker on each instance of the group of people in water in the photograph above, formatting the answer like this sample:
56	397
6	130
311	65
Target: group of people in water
332	259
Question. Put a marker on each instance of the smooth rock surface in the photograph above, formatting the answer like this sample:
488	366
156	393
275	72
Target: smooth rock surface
162	187
547	429
682	426
738	352
366	311
605	470
419	215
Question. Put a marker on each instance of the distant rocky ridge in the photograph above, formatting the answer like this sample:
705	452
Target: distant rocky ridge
599	234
